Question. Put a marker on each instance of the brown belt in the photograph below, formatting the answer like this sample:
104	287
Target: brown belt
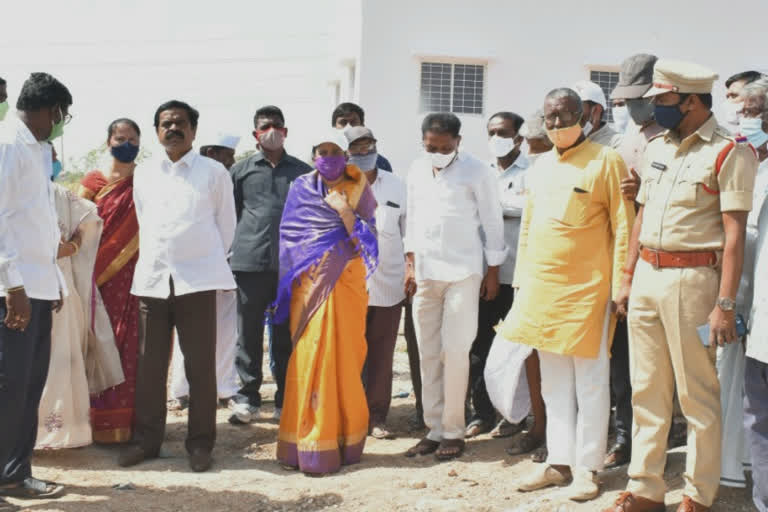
662	259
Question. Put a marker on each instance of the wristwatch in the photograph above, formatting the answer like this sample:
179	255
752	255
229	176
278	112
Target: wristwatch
726	304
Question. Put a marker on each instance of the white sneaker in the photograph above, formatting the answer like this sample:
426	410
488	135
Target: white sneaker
278	413
243	414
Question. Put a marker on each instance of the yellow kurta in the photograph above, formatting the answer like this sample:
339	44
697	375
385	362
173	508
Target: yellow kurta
573	244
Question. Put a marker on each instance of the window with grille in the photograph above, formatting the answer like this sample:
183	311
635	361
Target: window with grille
607	81
456	88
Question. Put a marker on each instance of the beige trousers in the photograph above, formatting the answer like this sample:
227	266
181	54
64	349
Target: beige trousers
666	307
445	318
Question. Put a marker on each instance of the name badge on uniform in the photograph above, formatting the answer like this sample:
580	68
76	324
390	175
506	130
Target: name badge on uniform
658	165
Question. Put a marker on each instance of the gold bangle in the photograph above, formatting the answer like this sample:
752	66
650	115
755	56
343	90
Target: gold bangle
76	247
15	289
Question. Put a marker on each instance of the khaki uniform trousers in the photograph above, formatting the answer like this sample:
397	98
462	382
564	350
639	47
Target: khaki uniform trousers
666	307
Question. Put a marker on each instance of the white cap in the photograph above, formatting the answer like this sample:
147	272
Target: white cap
225	140
333	135
590	91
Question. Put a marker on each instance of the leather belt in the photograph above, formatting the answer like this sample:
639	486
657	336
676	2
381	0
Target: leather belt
663	259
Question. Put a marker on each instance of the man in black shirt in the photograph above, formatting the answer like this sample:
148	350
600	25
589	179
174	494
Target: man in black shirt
261	185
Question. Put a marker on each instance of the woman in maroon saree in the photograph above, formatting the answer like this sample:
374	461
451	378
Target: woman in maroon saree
112	411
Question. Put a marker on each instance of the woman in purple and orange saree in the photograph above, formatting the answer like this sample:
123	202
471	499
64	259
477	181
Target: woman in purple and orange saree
327	249
112	411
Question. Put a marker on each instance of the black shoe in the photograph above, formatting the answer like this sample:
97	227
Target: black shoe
200	460
617	456
132	455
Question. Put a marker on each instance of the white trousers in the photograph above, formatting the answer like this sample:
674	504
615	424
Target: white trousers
445	319
576	392
226	349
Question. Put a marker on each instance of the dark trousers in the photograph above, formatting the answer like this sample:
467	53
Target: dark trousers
489	315
24	358
621	387
756	424
414	361
255	292
194	317
382	324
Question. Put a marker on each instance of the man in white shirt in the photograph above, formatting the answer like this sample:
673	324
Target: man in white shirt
756	370
594	103
451	197
504	142
385	286
186	213
222	149
30	282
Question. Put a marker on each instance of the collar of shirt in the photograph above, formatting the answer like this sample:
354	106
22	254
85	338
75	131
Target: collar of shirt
188	161
25	134
704	132
258	157
571	152
521	162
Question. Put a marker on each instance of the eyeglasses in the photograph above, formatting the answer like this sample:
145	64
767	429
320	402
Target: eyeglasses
362	149
566	118
65	117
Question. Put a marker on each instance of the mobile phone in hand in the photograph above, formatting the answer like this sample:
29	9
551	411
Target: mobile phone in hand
741	330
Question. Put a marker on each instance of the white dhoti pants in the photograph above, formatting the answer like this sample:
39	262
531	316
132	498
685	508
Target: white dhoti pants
445	319
576	392
226	349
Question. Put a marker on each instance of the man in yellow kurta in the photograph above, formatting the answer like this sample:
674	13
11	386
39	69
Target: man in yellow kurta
572	247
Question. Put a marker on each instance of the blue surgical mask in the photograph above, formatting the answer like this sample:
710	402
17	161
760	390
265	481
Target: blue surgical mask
364	162
752	129
56	170
125	152
668	116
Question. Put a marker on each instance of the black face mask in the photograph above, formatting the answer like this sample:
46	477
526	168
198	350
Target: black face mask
640	110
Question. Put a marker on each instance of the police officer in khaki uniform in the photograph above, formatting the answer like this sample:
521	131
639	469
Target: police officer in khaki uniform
686	256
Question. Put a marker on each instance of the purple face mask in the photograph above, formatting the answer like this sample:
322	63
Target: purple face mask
331	167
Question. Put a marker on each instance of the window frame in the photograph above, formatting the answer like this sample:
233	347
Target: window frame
453	61
608	114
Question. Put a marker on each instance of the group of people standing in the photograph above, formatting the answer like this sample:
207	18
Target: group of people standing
547	260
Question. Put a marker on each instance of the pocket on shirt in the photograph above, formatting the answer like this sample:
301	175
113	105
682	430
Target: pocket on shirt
387	220
695	180
571	206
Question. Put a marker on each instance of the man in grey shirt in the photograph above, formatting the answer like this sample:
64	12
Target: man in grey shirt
261	184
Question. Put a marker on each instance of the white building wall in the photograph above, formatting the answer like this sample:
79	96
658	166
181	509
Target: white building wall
530	48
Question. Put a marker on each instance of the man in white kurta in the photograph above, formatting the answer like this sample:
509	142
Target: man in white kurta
222	149
451	197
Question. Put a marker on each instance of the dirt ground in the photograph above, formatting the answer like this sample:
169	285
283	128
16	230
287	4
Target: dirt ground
245	476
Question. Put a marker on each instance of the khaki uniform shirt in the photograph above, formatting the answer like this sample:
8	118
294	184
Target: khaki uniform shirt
684	195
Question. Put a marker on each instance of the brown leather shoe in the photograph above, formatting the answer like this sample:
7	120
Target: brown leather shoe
688	505
628	502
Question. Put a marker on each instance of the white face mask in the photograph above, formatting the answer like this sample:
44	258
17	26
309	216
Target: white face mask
587	129
441	161
620	118
501	146
732	114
